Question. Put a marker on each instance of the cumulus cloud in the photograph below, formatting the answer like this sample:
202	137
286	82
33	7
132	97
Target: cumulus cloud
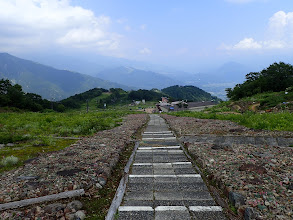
27	23
247	43
145	51
279	35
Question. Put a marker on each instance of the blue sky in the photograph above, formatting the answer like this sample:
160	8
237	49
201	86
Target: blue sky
187	33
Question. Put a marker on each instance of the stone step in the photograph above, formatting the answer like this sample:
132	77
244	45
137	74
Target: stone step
158	132
163	183
158	148
170	151
159	139
171	212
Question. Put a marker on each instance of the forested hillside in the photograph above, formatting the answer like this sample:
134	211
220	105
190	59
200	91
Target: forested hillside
277	77
13	96
189	93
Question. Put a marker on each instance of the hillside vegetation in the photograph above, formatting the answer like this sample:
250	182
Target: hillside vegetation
189	93
263	101
277	77
13	96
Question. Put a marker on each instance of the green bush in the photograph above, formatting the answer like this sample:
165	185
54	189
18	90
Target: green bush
9	161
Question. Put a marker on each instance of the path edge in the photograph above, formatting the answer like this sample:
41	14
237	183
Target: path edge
122	186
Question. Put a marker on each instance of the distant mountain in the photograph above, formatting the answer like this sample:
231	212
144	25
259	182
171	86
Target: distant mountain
190	93
88	63
49	82
137	78
217	80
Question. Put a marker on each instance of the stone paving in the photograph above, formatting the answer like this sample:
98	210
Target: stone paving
163	184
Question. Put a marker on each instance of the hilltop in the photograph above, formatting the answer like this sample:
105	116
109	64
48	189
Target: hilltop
189	93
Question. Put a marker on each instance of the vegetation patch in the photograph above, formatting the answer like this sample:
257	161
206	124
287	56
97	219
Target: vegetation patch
26	135
268	121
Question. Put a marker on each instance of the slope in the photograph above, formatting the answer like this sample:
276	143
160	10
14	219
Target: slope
49	82
190	93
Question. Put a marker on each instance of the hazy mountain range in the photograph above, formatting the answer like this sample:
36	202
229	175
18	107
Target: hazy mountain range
138	78
47	81
63	76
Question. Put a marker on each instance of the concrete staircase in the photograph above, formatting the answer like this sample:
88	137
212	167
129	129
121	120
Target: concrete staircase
163	184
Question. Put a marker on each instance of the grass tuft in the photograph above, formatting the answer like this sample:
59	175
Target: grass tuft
9	161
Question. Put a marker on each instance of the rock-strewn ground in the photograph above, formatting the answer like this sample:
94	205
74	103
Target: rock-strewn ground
257	177
84	165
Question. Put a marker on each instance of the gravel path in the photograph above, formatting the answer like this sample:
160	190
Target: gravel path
84	165
257	180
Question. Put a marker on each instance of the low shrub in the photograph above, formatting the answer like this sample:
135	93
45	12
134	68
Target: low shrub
9	161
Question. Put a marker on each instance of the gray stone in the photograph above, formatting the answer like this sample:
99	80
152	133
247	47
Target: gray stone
10	145
79	215
102	181
77	205
99	186
217	147
27	177
53	208
249	213
259	140
236	199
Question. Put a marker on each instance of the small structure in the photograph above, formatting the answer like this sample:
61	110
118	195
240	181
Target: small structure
165	100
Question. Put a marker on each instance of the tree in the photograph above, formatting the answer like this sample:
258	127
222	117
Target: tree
277	77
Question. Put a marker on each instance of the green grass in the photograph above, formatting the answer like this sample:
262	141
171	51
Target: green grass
36	133
267	121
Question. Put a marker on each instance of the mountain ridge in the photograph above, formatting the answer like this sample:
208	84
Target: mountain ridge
49	82
137	78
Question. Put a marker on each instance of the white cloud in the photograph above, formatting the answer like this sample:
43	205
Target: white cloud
247	43
279	35
27	23
145	51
